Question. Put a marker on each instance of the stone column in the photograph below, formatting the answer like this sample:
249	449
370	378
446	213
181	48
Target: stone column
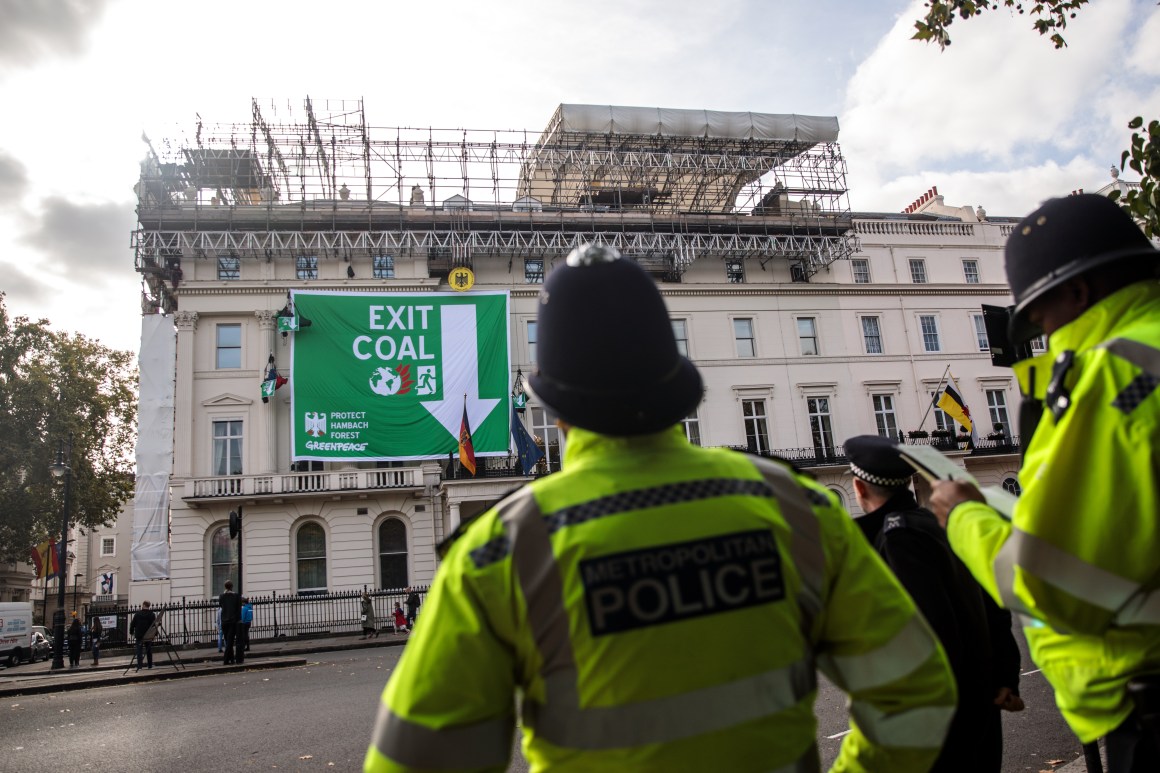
453	516
266	420
186	323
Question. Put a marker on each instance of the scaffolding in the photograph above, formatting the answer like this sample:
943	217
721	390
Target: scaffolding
667	187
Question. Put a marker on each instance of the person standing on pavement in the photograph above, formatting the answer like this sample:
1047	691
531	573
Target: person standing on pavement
412	607
75	636
96	631
1080	556
245	620
583	592
367	613
231	610
141	629
975	634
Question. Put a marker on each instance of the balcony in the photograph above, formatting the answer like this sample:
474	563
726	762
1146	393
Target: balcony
294	483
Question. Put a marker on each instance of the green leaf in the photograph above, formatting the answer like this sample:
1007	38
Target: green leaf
1136	122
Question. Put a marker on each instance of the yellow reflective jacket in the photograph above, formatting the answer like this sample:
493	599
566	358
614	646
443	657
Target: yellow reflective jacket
659	606
1081	556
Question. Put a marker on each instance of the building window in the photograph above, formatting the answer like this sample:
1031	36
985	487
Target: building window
743	335
681	334
307	267
929	325
861	271
981	333
534	271
383	267
808	335
692	428
941	420
223	561
310	555
997	405
392	554
532	341
756	427
227	447
735	271
548	433
820	427
229	346
918	271
229	268
872	335
884	417
1012	485
1039	343
108	546
971	271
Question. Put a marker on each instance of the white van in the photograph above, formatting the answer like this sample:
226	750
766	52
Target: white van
16	632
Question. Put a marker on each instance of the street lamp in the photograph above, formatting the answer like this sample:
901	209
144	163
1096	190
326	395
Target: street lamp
60	469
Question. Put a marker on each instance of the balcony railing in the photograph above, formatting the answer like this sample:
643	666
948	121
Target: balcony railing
303	483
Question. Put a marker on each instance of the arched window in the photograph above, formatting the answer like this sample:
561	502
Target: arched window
393	554
1012	485
310	554
223	559
840	494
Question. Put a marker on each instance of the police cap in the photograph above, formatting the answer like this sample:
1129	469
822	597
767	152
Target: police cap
876	460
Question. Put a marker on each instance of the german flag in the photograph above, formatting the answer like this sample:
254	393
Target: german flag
466	448
952	404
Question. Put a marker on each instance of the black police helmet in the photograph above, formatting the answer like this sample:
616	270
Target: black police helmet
1062	239
607	358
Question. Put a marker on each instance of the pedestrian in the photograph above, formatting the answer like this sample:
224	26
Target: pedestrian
245	620
1080	554
367	616
231	610
580	596
400	619
412	607
96	631
142	629
974	631
220	638
74	636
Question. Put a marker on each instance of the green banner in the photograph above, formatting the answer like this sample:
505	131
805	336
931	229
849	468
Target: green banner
386	376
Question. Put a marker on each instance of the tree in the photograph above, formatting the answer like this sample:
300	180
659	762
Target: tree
1050	19
53	385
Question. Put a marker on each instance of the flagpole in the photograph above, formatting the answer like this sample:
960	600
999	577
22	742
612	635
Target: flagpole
936	391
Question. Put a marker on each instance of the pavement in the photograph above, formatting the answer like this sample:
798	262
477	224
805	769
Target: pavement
176	663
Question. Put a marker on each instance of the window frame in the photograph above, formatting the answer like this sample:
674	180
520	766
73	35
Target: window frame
755	425
885	416
682	338
981	337
383	553
227	456
735	271
821	424
112	542
737	339
803	339
532	276
532	331
231	566
382	266
866	336
971	271
923	333
692	426
855	264
299	559
306	267
227	348
229	268
997	408
549	433
919	277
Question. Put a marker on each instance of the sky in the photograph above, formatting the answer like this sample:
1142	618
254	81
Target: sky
999	119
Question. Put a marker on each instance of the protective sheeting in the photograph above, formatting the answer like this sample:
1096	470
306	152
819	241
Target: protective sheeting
717	124
158	362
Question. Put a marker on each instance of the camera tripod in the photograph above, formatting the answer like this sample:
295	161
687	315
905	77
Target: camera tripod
155	632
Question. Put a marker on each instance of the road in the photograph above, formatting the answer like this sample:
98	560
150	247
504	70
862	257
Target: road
319	717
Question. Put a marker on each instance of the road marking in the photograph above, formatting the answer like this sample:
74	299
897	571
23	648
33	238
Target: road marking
839	735
1029	673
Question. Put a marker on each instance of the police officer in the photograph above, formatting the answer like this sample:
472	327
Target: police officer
655	605
1080	557
976	634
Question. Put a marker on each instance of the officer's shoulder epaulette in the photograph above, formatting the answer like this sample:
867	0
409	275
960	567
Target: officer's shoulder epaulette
894	521
442	548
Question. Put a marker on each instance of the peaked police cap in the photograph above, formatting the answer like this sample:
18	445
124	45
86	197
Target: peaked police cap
1062	239
876	460
607	359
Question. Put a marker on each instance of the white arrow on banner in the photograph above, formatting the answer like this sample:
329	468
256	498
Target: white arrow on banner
460	372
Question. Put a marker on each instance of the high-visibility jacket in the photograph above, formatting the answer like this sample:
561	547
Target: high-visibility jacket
658	606
1081	556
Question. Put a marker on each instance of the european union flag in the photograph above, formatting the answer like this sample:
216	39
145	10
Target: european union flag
529	452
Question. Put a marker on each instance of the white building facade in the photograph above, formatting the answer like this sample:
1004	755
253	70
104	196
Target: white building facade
810	324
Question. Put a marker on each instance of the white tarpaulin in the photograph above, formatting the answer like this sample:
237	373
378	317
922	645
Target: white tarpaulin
718	124
158	361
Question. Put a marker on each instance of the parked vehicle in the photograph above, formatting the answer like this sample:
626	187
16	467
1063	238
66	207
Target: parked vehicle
16	632
41	647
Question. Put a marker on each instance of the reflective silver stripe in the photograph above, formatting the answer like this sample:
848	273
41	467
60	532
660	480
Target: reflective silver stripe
481	744
805	539
671	718
905	652
920	728
1143	609
1143	356
1065	571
